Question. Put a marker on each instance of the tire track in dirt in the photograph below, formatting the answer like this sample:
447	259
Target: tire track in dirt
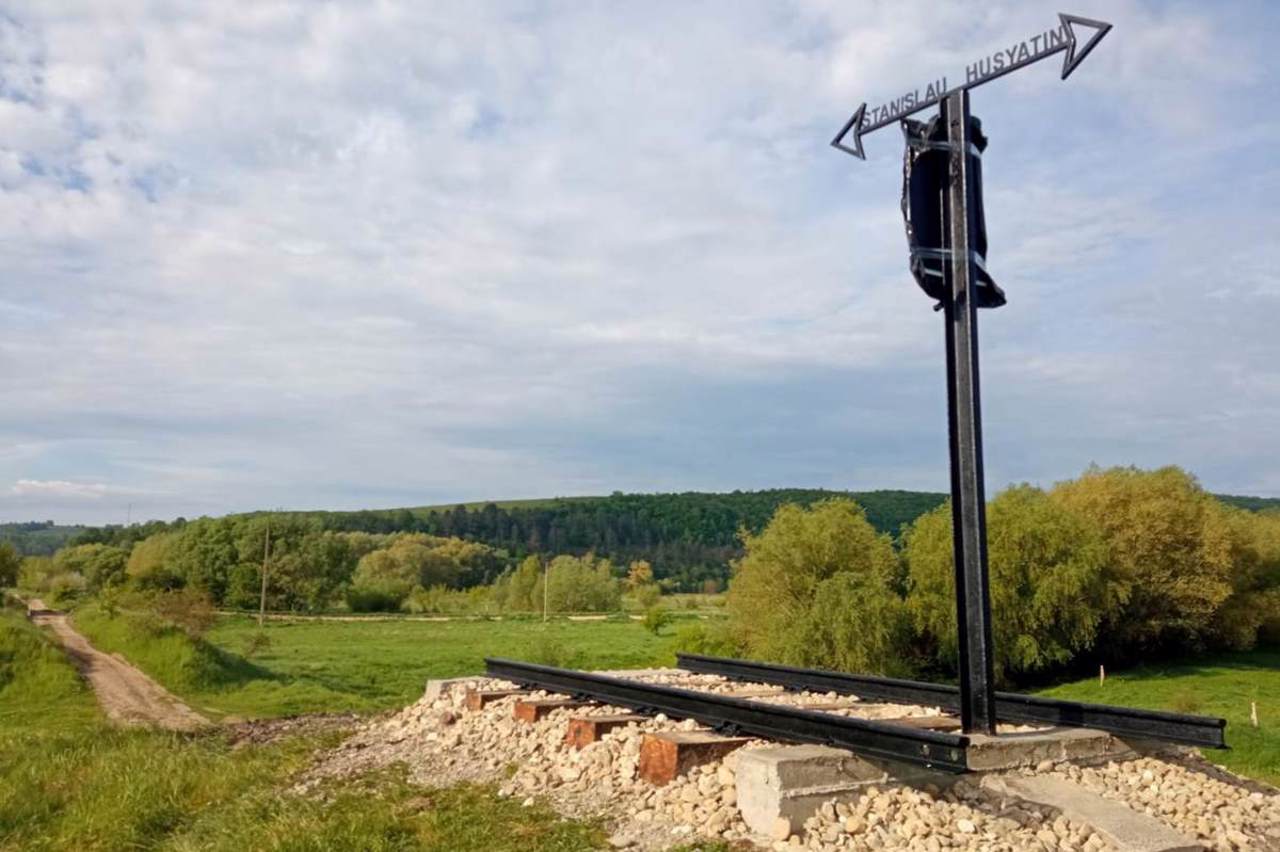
127	695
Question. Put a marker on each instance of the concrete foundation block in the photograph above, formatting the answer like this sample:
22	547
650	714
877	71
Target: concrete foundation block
1126	829
585	730
787	784
1010	751
666	755
438	687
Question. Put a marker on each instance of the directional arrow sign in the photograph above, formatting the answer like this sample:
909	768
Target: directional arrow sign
1063	39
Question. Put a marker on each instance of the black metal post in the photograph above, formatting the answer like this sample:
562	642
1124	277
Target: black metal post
968	501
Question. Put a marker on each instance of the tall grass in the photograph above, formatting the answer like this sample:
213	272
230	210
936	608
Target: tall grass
179	661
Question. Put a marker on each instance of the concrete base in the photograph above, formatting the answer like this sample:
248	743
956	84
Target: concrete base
1012	751
781	786
437	687
1126	829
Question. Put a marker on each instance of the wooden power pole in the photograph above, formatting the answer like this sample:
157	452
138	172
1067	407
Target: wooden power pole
266	556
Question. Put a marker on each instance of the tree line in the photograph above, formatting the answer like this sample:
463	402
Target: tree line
689	538
1119	565
312	569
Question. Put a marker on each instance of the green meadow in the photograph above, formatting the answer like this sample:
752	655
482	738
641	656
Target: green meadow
313	666
326	666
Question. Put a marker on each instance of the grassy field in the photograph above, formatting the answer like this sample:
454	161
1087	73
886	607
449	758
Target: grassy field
311	666
1215	686
73	783
325	666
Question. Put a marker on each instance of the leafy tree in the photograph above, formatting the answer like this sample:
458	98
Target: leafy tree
148	565
640	573
10	564
581	584
816	588
1050	590
100	564
1169	543
1253	608
203	555
383	579
514	591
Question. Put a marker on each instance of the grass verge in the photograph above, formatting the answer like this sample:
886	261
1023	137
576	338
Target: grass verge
70	782
1223	686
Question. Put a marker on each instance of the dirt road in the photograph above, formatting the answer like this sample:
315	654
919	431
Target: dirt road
127	695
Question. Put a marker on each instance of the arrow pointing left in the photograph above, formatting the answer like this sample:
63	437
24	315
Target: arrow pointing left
854	123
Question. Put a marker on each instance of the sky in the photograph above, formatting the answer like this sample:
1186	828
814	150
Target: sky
372	254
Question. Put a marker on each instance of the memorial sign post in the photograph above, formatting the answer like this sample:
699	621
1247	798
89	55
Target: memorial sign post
960	256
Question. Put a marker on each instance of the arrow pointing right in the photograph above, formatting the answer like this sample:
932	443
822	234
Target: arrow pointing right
1074	57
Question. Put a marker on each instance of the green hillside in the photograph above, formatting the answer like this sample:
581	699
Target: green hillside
1253	504
38	538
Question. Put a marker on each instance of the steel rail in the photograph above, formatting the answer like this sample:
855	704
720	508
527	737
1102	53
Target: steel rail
872	738
1182	728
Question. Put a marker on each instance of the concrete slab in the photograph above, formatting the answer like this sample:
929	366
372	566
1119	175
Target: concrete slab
437	687
666	755
1126	829
585	730
1014	750
779	787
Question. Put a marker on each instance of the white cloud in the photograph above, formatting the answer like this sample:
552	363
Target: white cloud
288	254
59	488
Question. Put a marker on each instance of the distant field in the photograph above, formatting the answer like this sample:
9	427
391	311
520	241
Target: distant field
328	666
1215	686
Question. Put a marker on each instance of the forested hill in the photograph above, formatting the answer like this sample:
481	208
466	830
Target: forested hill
688	537
1253	504
38	538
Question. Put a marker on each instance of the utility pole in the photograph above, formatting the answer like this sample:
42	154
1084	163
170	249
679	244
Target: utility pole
266	556
546	585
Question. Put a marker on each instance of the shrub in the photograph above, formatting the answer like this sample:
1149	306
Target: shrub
10	563
816	588
647	595
187	609
257	642
656	618
364	599
99	564
1049	586
714	639
546	650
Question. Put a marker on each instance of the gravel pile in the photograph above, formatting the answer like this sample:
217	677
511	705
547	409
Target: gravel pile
962	817
1224	812
442	743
